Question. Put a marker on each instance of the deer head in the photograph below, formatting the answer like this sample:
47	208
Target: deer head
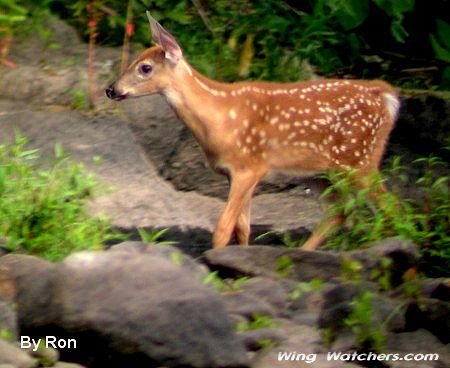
153	70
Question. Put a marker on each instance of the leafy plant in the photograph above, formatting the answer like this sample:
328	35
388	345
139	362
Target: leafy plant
231	40
382	273
440	41
259	40
79	99
266	343
425	220
369	334
11	14
177	257
396	10
7	335
154	236
257	322
306	287
412	288
224	285
284	266
42	210
351	269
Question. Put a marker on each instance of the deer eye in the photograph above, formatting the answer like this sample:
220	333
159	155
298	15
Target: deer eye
145	68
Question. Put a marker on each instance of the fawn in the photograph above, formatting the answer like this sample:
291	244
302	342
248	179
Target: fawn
249	129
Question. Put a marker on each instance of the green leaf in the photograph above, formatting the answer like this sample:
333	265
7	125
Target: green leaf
395	7
352	13
441	42
443	33
11	5
445	78
441	52
211	277
397	30
402	6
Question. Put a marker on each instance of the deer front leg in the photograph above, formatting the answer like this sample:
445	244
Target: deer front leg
242	228
241	190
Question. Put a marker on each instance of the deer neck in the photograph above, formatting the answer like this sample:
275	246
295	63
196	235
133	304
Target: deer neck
200	102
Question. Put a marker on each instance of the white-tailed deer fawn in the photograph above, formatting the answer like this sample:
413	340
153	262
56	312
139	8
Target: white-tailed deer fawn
249	129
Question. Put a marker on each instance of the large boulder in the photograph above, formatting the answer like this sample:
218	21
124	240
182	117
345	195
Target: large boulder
147	303
418	343
30	283
14	357
303	265
138	301
297	264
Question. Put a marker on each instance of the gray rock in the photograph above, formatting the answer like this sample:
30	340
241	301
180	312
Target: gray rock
436	289
45	355
8	320
296	264
307	318
256	339
303	340
240	303
403	253
336	306
345	342
431	314
66	365
33	280
10	354
268	290
145	303
305	265
418	342
270	359
170	252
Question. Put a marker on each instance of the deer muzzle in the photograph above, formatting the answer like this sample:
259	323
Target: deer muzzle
112	93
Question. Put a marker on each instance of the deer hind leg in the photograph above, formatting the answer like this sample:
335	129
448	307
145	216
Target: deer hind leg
365	179
361	180
389	205
319	235
241	190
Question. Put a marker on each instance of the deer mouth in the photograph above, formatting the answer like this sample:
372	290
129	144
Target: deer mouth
113	95
120	97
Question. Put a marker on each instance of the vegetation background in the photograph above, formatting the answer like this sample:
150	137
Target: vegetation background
404	41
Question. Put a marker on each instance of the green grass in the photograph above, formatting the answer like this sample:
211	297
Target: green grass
42	208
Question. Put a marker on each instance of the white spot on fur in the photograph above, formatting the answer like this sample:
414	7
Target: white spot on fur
274	120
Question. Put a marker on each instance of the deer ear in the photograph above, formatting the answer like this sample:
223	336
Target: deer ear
163	38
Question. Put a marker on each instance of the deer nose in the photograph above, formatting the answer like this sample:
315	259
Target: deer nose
110	92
